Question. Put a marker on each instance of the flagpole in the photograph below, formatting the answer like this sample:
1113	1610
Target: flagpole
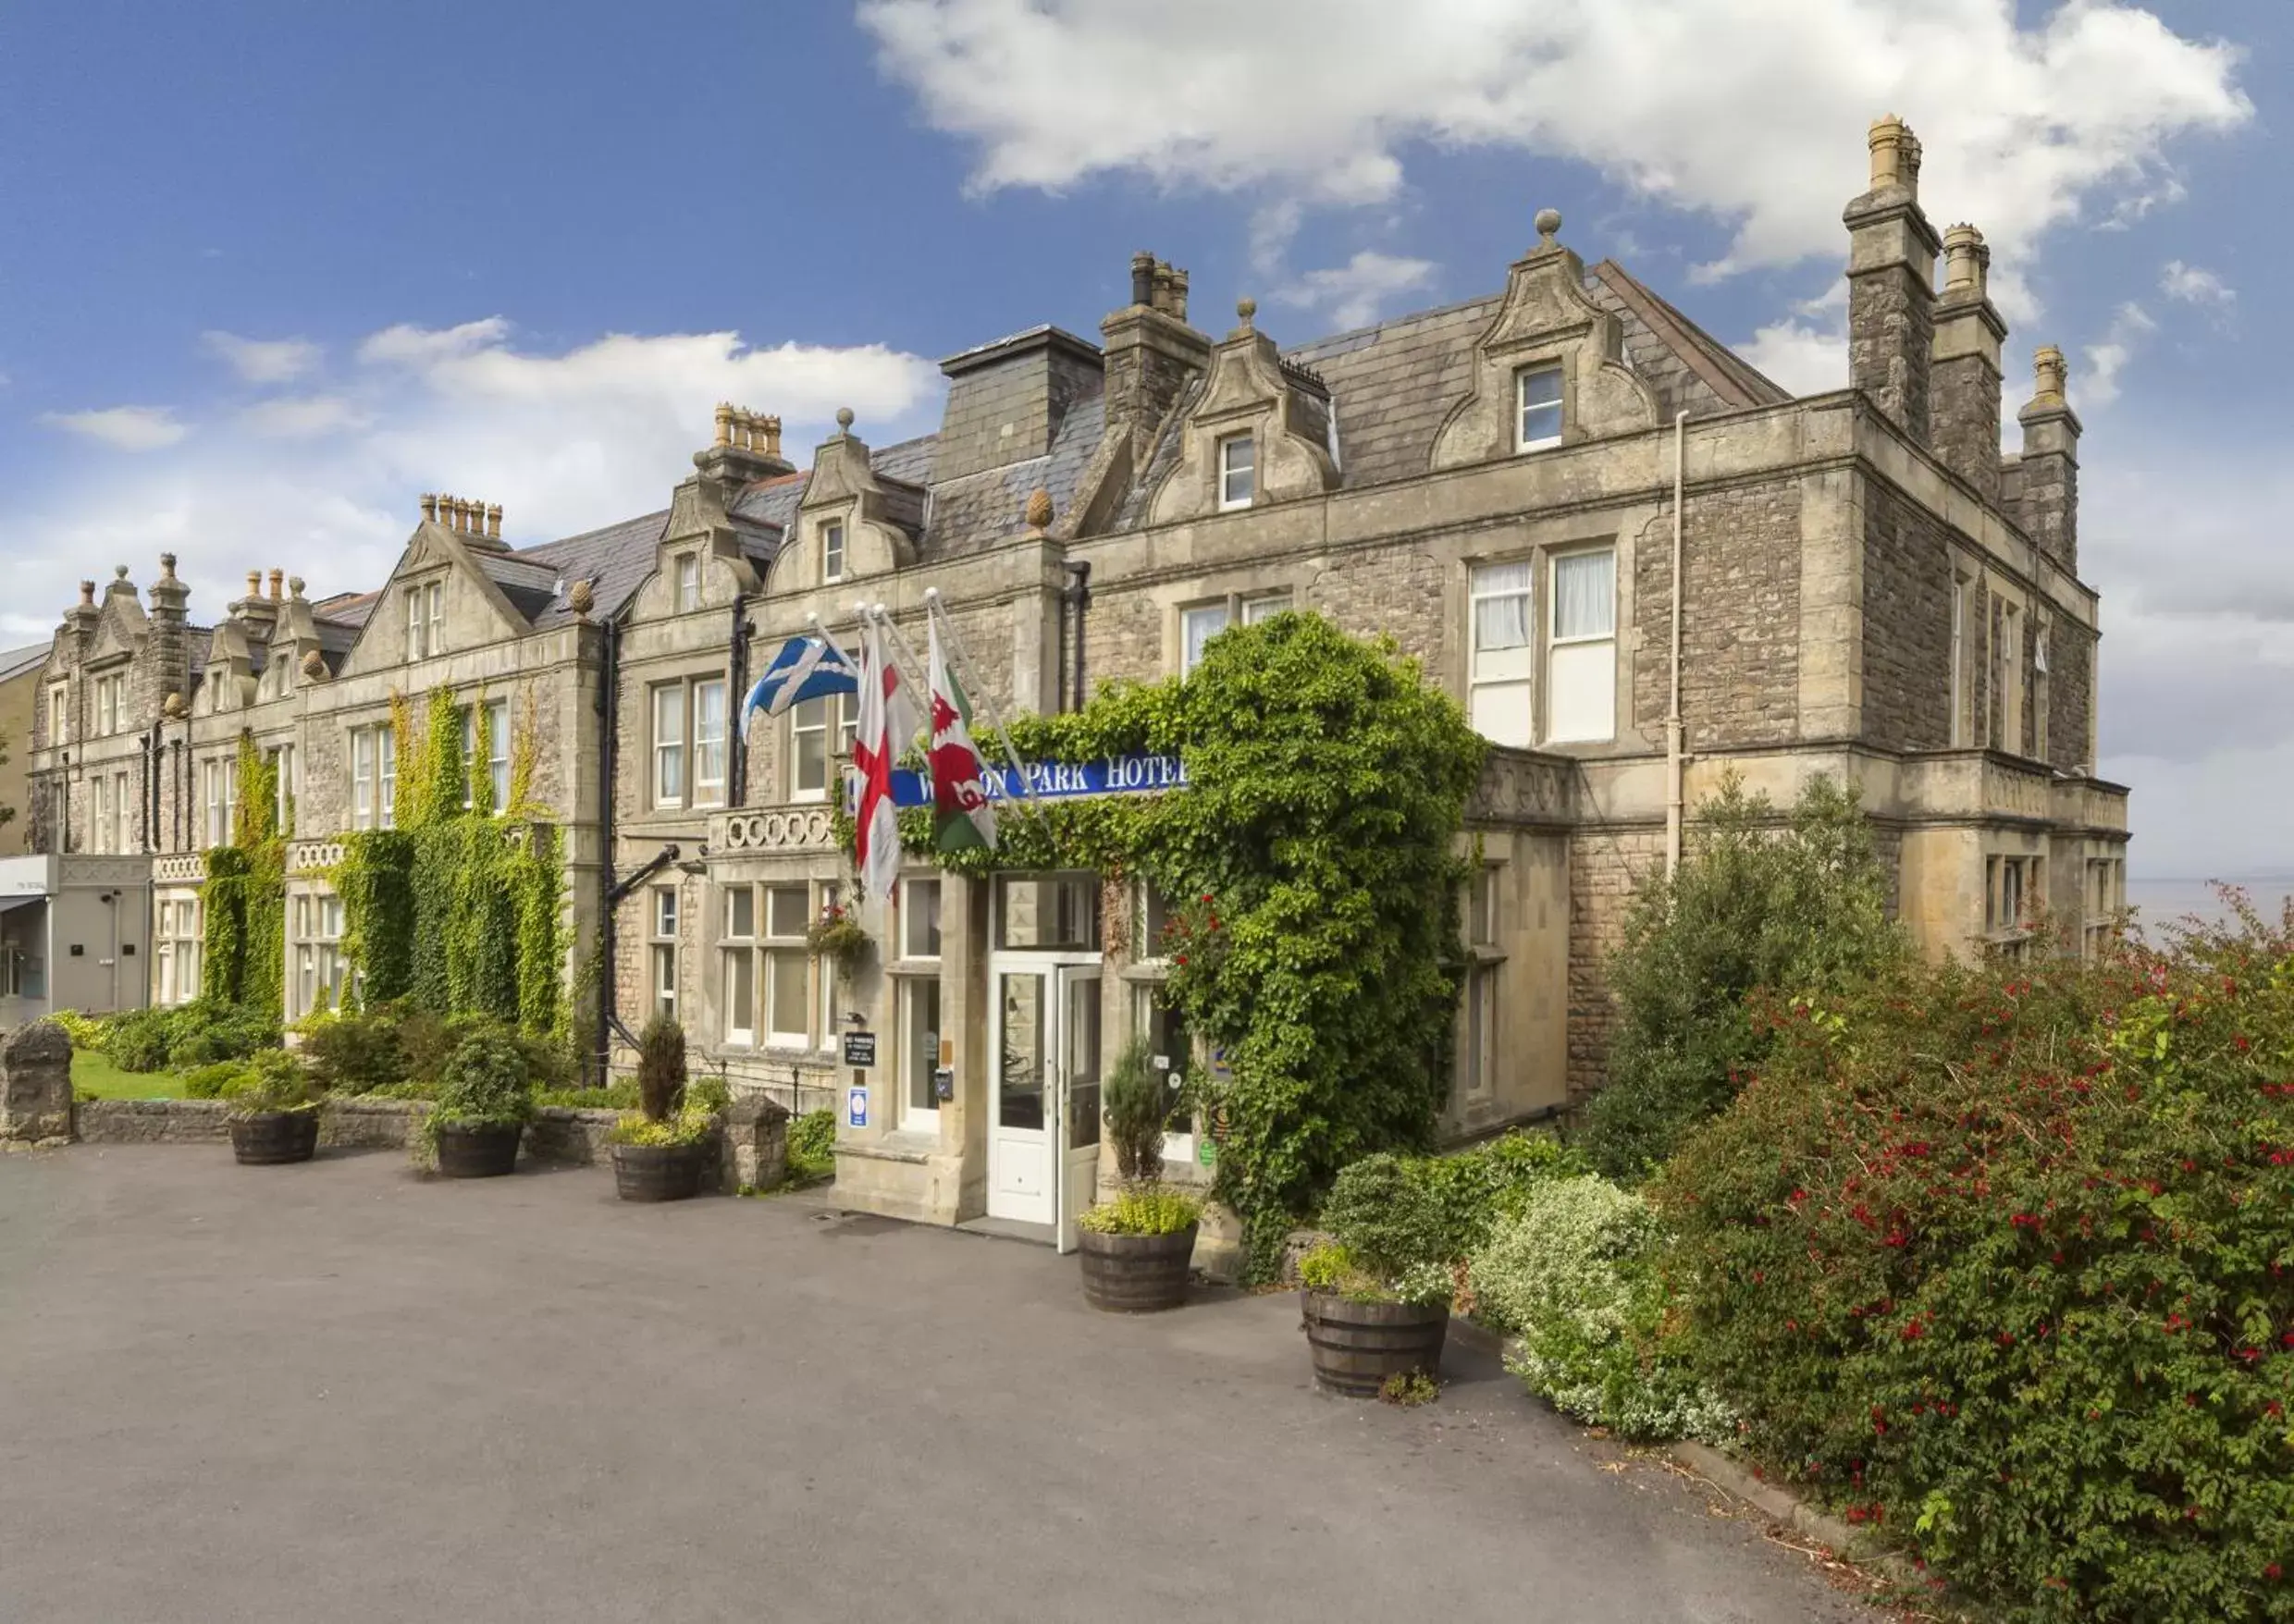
936	610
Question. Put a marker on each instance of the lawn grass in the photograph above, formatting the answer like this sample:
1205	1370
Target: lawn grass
96	1078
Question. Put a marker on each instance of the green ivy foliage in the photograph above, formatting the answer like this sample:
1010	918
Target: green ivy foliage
244	951
456	910
1326	786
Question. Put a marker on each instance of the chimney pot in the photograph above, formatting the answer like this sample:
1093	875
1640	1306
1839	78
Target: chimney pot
254	583
772	435
725	423
276	577
1961	271
2049	375
87	594
1886	139
430	507
1142	277
493	521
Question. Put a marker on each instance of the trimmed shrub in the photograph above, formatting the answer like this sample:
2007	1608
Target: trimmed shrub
1137	1102
812	1145
1803	908
661	1068
205	1033
1392	1212
1575	1271
218	1081
138	1039
486	1083
2003	1261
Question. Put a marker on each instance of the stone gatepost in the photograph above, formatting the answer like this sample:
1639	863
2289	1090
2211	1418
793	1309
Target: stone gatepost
756	1143
35	1086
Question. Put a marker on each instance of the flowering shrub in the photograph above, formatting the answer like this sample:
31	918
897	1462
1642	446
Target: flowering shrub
1574	1273
2003	1261
1393	1212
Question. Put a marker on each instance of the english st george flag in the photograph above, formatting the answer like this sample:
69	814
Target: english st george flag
887	723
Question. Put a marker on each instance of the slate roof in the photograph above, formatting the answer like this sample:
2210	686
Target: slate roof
615	561
16	661
348	608
1392	385
530	583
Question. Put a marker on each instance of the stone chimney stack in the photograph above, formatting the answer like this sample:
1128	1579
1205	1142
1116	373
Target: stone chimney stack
1151	353
746	449
1964	377
2049	466
254	612
1892	251
168	661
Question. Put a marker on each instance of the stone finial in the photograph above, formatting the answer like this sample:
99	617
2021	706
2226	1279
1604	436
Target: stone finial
2049	375
119	571
493	521
581	599
1040	507
1963	270
294	588
843	420
277	578
1246	311
1548	223
430	507
173	706
87	594
725	423
166	566
313	665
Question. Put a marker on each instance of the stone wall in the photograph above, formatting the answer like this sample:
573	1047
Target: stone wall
1606	866
1740	665
35	1084
2070	694
152	1122
1907	624
1390	591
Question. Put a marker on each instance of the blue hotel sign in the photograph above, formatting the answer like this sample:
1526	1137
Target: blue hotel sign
1056	780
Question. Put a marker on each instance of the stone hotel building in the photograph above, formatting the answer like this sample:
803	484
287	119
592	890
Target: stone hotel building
1639	565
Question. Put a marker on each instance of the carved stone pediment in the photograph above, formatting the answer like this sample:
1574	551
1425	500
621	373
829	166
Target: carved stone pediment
1546	319
1248	391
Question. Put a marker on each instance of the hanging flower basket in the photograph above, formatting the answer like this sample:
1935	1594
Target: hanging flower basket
837	937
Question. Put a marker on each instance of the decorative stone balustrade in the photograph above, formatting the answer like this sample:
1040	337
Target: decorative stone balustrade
796	828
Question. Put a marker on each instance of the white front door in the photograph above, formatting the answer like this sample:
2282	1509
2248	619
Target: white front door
1077	1139
1046	1047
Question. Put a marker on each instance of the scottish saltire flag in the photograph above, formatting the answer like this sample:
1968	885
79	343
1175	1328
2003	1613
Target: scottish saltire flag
962	818
807	668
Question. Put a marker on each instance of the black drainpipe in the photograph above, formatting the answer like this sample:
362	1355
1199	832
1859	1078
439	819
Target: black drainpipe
608	714
151	747
736	685
1079	592
1059	660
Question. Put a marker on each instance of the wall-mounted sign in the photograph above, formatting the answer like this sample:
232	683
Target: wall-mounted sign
943	1085
859	1048
856	1107
1053	781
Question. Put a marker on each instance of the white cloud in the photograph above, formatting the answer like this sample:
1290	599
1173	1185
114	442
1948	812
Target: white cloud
325	485
263	361
2099	384
1752	111
405	345
302	417
1353	294
2196	285
124	428
1805	360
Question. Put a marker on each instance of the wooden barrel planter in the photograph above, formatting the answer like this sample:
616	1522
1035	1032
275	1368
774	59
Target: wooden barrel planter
481	1149
1356	1346
661	1173
1136	1273
272	1138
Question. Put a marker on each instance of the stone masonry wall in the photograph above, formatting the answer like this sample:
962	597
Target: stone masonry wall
1605	868
1739	668
1907	624
1386	590
2070	693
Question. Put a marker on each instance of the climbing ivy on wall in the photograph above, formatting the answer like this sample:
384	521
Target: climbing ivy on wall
1315	852
456	910
244	950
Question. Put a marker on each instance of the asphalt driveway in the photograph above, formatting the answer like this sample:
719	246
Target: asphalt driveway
340	1393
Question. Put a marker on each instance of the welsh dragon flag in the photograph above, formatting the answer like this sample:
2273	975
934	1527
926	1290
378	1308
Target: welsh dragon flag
963	817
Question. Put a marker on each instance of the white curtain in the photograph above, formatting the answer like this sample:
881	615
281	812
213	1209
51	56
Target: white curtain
1584	595
1199	626
1500	606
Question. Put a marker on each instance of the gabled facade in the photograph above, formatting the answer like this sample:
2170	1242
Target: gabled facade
1638	563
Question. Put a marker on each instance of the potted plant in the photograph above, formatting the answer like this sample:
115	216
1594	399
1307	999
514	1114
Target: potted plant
1135	1249
1376	1298
486	1094
274	1116
662	1148
837	937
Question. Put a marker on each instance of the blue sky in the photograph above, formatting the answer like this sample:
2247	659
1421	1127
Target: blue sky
268	271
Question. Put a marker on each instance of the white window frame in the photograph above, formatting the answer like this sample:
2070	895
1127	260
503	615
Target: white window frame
1492	673
832	560
1264	606
1190	651
363	799
123	815
908	991
773	945
316	938
1560	652
100	818
497	753
737	956
710	756
386	776
662	917
426	620
1238	476
1962	720
1523	439
912	910
669	758
283	804
688	572
59	714
814	715
2042	695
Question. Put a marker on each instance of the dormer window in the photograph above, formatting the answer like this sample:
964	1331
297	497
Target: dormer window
1537	392
832	550
1238	472
426	620
688	583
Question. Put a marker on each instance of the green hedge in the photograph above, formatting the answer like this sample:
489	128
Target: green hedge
2003	1260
